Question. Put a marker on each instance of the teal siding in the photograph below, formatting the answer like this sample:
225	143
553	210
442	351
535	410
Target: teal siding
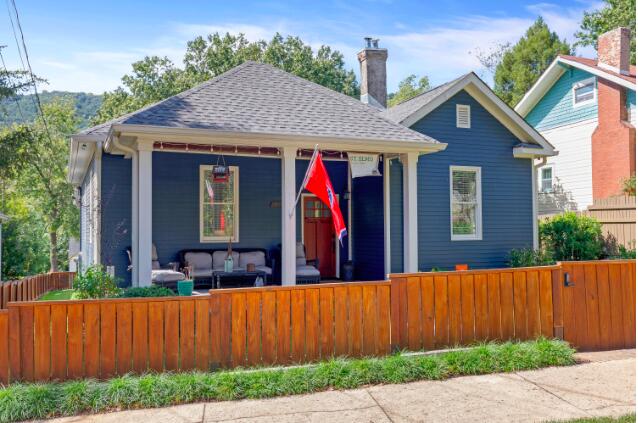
556	107
631	100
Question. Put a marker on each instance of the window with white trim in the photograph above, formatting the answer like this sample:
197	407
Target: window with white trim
465	203
584	92
547	179
218	206
463	116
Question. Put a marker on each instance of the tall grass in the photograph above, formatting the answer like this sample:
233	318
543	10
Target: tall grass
42	400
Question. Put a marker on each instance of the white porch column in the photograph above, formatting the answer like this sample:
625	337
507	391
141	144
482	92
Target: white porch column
288	219
145	212
410	218
134	221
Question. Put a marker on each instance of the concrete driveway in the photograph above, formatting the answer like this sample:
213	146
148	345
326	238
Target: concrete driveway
604	386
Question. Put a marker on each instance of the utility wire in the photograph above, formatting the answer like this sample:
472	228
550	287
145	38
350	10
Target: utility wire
29	69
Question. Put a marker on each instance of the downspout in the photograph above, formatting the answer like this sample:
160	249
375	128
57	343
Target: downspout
535	167
134	207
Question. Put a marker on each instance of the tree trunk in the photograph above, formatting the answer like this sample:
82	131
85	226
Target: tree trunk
53	255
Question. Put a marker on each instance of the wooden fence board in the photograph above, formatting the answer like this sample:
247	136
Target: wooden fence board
369	296
123	337
156	336
26	343
441	312
42	342
533	305
467	308
355	316
140	337
312	324
297	323
494	306
546	306
238	330
413	289
202	334
326	312
269	328
427	311
108	328
592	300
187	335
283	327
481	325
4	347
454	304
253	327
171	335
604	308
341	320
92	340
383	320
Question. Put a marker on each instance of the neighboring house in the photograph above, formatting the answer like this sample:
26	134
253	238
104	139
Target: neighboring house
3	218
457	170
587	109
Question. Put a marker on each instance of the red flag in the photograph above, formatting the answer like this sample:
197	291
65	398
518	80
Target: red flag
319	184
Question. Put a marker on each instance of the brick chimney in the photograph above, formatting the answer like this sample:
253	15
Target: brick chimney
614	49
373	73
614	139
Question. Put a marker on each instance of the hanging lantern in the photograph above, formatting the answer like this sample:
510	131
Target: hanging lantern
221	173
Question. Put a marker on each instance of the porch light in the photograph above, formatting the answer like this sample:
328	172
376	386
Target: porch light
221	173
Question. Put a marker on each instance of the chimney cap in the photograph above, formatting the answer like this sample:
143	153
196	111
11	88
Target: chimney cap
371	42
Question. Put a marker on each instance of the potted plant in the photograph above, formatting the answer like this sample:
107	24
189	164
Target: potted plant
185	287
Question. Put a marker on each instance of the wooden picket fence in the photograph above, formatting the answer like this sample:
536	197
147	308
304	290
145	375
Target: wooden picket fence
589	304
227	328
32	287
434	310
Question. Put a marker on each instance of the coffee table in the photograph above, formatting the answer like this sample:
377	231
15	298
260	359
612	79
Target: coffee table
237	279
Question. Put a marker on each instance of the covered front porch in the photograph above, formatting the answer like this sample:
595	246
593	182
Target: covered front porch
169	204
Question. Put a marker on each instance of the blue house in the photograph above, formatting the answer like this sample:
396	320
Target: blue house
453	176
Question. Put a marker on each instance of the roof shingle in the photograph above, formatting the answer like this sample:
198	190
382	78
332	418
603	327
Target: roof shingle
259	98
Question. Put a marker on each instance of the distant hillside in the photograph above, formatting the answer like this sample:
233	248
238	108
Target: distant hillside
86	105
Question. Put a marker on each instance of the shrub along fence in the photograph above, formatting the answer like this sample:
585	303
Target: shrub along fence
593	308
32	287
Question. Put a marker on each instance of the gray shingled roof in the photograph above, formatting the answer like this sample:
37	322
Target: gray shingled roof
259	98
407	108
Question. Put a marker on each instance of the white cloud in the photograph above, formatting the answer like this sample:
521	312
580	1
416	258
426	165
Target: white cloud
442	51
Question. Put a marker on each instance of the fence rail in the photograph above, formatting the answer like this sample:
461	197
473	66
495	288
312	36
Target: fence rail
589	304
32	287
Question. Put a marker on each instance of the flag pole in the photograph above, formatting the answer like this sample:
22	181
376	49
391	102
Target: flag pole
305	178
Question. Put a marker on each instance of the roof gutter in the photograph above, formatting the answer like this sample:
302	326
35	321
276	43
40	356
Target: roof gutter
207	136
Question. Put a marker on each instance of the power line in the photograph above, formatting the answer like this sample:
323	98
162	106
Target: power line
30	70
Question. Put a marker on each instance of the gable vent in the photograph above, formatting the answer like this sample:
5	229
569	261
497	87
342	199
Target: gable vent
463	118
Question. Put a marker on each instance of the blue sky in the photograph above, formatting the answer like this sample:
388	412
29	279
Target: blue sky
89	45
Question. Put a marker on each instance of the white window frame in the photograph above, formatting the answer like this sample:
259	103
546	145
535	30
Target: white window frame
208	239
478	236
581	84
469	115
540	180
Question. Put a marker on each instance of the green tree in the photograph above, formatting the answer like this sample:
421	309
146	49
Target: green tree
409	87
526	61
613	14
34	157
13	82
155	78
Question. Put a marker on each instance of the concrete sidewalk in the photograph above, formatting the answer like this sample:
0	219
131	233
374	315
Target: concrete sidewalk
604	386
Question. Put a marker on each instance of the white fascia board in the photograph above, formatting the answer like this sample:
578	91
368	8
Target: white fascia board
600	73
530	152
80	154
205	136
509	118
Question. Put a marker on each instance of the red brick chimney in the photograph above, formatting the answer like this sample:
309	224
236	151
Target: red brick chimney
614	140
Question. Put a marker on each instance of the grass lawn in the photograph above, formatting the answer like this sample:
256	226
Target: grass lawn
63	294
629	418
42	400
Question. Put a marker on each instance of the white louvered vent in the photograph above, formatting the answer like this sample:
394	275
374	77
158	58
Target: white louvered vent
463	118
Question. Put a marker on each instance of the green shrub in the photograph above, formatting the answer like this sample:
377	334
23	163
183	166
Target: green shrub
147	291
570	236
528	257
95	283
626	253
629	185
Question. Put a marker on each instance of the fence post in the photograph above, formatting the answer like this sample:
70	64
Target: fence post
557	301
